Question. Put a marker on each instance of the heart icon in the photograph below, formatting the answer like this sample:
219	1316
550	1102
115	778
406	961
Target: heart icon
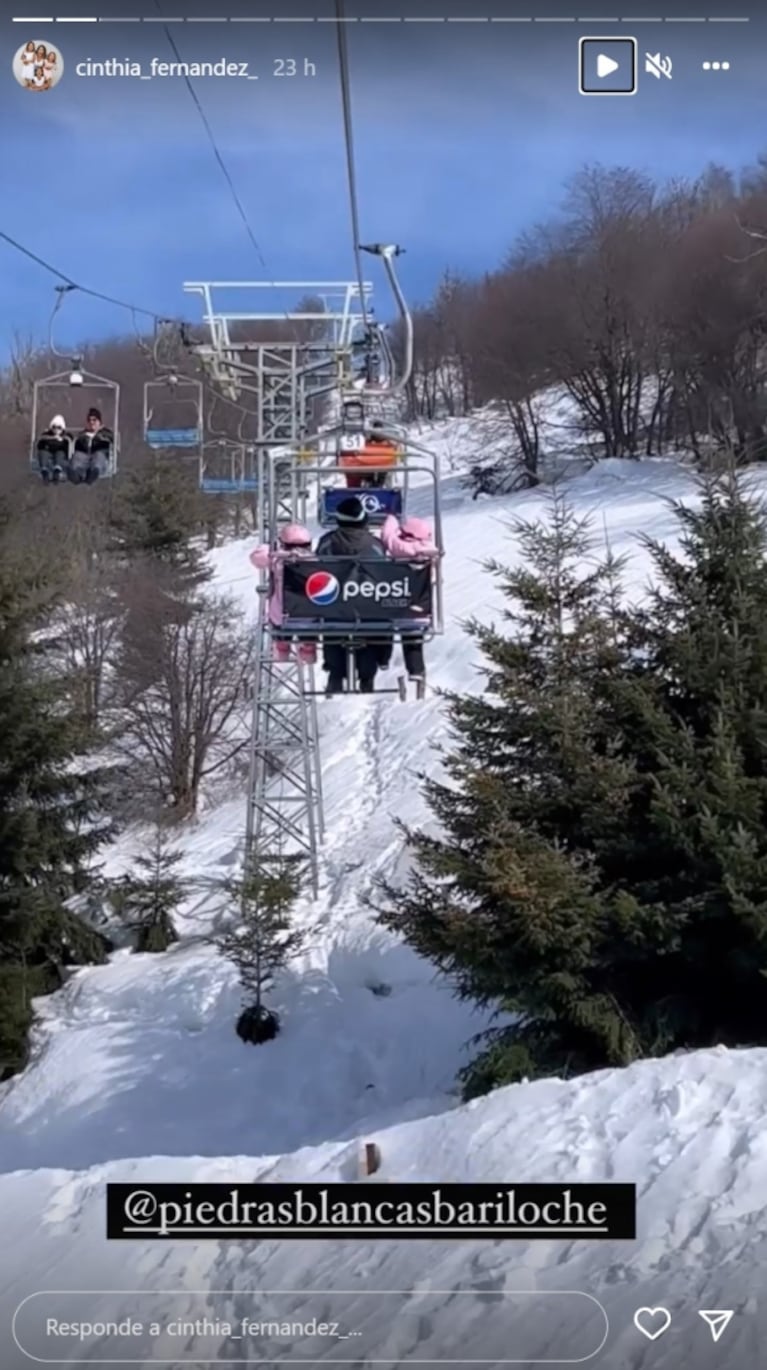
652	1322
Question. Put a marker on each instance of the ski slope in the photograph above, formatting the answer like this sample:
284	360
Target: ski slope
138	1075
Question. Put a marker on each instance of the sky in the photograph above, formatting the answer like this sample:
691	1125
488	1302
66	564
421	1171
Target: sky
465	135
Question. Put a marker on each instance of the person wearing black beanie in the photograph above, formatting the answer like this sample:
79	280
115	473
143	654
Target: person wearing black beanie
352	537
351	512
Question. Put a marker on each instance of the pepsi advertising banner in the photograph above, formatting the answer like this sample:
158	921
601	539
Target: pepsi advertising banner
349	591
376	503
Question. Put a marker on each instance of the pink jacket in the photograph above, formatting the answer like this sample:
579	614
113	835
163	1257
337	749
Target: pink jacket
265	559
419	546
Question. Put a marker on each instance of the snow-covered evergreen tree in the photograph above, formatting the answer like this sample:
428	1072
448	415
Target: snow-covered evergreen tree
601	873
52	804
150	895
263	941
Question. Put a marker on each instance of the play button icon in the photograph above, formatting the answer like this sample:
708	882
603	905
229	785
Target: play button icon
607	66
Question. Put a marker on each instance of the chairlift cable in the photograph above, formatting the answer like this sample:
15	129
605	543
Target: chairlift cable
74	285
216	151
343	64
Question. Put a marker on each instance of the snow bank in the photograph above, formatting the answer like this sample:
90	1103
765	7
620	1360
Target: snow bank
688	1131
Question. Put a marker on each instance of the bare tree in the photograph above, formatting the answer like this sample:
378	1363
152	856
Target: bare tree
90	619
182	681
16	385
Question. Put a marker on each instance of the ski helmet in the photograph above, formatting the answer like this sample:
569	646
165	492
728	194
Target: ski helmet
294	535
418	529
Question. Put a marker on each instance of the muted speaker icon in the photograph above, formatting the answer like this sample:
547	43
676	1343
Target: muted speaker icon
658	66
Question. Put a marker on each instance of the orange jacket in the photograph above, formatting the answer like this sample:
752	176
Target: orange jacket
377	454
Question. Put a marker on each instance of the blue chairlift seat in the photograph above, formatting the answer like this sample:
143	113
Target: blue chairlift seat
173	437
378	504
219	485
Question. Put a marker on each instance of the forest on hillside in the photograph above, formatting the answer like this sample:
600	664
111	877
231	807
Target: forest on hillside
644	303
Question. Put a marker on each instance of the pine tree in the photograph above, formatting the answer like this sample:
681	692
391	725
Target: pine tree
263	941
157	530
601	874
696	711
149	896
504	901
158	518
52	809
157	526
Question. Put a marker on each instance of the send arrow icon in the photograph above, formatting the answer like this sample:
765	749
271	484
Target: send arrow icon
717	1318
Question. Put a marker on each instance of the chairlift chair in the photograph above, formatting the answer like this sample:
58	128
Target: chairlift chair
378	504
368	468
353	417
228	467
173	392
88	390
315	605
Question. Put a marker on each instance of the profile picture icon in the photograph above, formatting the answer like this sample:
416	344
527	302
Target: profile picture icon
38	66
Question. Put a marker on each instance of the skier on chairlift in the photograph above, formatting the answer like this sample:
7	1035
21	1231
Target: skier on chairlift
54	449
412	540
352	537
377	438
360	479
92	452
295	541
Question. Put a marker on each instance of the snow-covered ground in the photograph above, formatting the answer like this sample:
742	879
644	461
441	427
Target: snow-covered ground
138	1076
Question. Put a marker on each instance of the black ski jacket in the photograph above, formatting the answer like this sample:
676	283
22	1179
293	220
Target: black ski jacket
350	542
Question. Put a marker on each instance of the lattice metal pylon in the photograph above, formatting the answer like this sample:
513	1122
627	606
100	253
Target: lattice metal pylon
283	381
285	819
286	382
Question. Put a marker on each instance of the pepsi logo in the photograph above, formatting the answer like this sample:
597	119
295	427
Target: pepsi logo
322	588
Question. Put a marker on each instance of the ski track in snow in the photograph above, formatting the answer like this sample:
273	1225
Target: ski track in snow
137	1074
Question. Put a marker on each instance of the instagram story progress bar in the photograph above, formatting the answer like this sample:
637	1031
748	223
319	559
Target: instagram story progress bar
460	21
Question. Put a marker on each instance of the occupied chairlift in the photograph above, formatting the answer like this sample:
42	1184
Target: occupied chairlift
175	393
80	384
369	462
387	597
369	455
314	600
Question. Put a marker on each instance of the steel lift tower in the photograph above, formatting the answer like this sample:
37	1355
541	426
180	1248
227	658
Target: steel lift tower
284	366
